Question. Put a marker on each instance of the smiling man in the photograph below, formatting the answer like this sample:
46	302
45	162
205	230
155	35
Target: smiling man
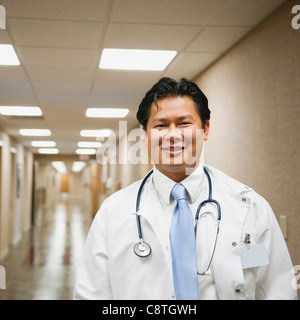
175	136
187	230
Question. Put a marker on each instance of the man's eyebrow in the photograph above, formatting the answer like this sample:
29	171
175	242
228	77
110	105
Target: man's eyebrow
183	117
159	120
186	116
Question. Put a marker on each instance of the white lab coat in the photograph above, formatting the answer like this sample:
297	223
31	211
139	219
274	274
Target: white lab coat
109	269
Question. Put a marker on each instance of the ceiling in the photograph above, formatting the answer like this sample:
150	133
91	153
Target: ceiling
59	45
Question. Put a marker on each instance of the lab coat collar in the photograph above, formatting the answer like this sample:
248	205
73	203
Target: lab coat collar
235	186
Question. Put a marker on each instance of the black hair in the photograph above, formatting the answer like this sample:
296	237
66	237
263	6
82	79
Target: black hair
167	87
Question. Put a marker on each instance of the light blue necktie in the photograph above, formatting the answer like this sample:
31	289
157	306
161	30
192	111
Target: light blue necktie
183	248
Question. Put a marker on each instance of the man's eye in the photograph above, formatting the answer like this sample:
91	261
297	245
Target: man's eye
160	126
184	123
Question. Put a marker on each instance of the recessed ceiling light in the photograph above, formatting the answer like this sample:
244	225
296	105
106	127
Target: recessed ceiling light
20	111
106	112
59	166
48	150
35	132
95	133
132	59
85	151
43	143
8	55
77	166
89	144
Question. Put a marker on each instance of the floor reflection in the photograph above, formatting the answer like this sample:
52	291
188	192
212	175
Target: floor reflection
43	264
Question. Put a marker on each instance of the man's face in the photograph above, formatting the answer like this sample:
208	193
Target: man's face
175	136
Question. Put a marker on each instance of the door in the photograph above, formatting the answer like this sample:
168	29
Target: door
64	183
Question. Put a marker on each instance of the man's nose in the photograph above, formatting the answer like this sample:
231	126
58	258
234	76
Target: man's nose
173	133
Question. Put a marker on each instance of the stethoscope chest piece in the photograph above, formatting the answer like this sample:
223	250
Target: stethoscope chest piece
142	249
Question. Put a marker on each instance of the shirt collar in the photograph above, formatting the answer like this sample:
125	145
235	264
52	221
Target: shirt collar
194	183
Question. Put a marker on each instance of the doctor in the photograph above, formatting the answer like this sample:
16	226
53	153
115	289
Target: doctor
235	250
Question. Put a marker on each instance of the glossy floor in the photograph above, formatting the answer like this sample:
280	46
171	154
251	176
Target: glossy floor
42	265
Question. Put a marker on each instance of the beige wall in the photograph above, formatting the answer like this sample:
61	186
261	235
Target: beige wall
14	221
47	178
254	96
5	186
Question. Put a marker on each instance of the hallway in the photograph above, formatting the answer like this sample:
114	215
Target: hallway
69	132
42	265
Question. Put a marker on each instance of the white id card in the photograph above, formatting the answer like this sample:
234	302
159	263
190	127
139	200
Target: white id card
254	256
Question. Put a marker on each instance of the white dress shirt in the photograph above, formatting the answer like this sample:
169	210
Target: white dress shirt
197	191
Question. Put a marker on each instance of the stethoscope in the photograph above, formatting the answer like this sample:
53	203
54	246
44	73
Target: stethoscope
143	249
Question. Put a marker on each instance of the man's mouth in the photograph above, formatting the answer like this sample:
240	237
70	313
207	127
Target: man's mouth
173	150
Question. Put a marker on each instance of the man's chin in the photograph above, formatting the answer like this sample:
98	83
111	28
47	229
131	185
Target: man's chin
177	167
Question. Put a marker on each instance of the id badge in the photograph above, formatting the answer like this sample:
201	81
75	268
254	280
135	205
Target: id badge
254	256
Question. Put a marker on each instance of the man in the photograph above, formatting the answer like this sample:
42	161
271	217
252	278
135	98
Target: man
238	251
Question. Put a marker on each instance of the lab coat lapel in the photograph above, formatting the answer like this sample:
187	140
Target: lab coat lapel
235	208
152	211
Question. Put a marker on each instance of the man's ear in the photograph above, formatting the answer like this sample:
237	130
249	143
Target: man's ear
206	130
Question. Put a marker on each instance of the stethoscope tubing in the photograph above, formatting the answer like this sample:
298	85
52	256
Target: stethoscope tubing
142	243
137	206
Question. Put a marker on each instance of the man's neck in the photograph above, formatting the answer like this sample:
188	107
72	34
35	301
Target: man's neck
177	175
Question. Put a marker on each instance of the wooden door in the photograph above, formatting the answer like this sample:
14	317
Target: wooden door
64	183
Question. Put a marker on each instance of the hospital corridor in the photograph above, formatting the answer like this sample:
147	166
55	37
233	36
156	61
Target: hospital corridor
43	264
73	74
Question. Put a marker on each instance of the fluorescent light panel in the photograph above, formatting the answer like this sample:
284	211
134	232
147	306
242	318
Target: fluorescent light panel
20	111
132	59
59	166
8	55
77	166
35	132
85	151
95	133
48	150
89	144
43	144
106	112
